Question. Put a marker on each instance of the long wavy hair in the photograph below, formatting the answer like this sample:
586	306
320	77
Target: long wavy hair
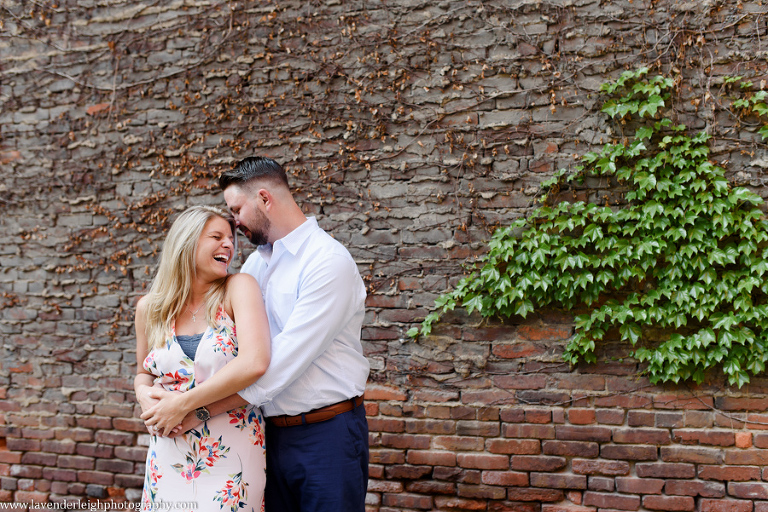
172	285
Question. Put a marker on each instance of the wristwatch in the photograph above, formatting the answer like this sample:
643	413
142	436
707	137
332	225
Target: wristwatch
202	414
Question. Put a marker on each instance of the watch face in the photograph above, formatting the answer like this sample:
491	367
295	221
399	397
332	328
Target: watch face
203	414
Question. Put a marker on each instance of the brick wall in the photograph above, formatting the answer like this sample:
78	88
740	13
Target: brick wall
410	129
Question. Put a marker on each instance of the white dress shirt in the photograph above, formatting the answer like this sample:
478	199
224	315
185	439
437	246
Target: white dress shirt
315	302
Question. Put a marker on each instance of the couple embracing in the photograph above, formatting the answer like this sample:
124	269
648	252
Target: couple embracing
251	385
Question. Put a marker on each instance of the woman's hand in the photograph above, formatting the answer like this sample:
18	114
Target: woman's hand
167	413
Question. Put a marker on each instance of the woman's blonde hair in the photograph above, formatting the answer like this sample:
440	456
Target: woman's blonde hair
172	284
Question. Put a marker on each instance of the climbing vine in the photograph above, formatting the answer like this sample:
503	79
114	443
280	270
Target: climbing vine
684	254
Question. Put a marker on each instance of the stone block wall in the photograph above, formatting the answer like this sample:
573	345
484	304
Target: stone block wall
411	129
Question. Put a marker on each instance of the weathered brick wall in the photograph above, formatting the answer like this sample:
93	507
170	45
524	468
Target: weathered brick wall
410	129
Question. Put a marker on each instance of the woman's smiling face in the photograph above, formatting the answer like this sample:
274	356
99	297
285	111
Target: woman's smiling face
215	249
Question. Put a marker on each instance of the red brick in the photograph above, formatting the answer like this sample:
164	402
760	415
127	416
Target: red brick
609	416
669	503
683	402
727	403
512	415
631	485
694	488
662	470
565	507
642	436
558	481
481	491
641	419
529	431
749	457
95	477
384	486
40	458
544	332
431	458
486	396
599	467
761	440
534	494
540	416
600	483
383	456
709	505
696	455
75	462
743	440
404	500
537	463
629	452
606	500
381	392
520	381
583	433
95	450
64	475
8	457
134	453
624	401
514	446
478	428
114	466
430	427
407	472
670	419
31	497
700	419
115	438
94	422
483	461
581	416
431	487
23	445
505	478
748	490
458	443
385	425
453	503
729	473
581	382
517	350
709	437
582	449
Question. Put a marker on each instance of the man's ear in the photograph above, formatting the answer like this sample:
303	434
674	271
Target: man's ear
266	197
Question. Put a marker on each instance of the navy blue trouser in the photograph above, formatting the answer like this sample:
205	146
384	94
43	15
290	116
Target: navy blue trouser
320	467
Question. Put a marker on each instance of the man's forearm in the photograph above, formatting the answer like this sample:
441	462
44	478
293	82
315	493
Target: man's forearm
226	404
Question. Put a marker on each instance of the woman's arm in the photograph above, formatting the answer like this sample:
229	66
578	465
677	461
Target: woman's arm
190	421
253	354
144	380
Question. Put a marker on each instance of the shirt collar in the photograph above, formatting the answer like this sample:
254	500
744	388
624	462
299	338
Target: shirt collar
293	241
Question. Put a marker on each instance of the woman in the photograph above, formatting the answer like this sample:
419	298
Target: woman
219	464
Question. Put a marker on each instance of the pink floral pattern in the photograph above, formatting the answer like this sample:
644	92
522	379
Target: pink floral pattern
220	464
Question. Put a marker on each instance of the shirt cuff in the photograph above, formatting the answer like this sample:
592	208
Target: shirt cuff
254	395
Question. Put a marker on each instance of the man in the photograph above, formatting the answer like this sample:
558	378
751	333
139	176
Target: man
311	395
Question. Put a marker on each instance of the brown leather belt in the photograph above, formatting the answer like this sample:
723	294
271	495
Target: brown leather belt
316	415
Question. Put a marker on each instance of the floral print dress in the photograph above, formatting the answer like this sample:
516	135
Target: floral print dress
219	465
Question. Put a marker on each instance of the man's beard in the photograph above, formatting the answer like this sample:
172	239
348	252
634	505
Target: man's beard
259	235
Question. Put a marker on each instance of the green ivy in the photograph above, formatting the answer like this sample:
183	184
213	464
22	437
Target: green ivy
684	255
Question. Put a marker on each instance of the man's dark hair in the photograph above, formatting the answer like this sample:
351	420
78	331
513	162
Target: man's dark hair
253	168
